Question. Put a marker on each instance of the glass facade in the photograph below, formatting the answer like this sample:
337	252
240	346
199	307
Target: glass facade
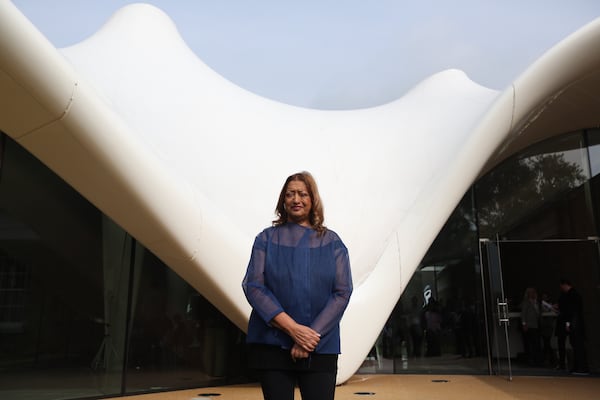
526	224
86	311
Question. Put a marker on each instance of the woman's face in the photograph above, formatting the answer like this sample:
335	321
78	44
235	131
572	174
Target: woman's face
298	203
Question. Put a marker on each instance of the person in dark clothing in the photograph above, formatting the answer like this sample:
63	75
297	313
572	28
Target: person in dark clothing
570	323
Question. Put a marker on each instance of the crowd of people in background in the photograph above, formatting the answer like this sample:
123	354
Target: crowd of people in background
429	327
541	319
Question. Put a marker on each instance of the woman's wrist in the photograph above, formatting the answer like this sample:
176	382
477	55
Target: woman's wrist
284	322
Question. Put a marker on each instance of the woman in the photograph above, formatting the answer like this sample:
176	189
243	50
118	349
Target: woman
298	283
530	322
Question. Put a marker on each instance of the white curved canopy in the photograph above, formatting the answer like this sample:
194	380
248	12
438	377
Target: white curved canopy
191	165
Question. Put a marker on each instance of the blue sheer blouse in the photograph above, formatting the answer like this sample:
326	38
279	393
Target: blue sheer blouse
292	269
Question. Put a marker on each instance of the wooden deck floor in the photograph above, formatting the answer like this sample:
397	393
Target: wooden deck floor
419	387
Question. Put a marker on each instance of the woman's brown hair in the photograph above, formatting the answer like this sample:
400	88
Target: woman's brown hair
315	217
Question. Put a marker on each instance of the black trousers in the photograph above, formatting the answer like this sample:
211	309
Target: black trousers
533	346
279	374
313	385
562	351
577	341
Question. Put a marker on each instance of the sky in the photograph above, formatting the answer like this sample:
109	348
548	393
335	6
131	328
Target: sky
343	54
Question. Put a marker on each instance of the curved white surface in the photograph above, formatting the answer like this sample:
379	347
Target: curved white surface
191	164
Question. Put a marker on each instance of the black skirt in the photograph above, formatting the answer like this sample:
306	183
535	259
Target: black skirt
262	356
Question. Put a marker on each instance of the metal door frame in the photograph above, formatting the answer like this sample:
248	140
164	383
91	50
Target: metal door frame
501	305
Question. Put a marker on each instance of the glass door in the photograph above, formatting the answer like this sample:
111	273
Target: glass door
518	273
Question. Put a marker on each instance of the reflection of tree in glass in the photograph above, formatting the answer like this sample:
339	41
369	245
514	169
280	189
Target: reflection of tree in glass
458	236
520	186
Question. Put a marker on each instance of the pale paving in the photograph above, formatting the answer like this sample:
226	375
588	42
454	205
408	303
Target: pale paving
420	387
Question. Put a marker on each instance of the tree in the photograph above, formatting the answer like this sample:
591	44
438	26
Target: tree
520	187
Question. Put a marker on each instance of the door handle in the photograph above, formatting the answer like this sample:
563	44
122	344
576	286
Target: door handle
502	307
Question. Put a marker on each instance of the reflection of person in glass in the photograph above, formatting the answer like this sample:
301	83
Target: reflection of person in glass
416	326
298	283
547	329
433	328
570	323
530	322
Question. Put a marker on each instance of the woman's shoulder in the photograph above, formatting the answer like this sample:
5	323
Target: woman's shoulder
331	232
266	232
331	236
